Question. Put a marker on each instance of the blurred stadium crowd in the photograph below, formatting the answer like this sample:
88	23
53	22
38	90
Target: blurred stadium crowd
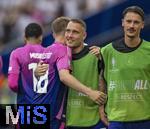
15	15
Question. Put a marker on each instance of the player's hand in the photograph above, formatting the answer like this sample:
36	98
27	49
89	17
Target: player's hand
95	51
98	97
103	115
41	69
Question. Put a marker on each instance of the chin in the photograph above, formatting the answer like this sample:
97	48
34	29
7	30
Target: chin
69	45
131	36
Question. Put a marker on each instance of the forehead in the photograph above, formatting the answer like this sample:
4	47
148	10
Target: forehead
133	16
74	26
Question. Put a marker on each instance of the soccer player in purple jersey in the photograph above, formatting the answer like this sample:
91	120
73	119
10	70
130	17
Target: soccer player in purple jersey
61	64
23	61
127	76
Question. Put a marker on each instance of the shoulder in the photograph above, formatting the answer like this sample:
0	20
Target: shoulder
17	51
107	47
82	53
57	47
60	49
147	43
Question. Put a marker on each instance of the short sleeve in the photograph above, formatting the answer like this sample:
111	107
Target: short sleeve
64	59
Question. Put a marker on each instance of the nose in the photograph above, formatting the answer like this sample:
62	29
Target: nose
132	24
70	34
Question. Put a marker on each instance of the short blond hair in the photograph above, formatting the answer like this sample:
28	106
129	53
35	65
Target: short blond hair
59	25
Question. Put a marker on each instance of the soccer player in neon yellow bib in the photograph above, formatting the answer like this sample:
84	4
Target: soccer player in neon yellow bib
82	113
127	75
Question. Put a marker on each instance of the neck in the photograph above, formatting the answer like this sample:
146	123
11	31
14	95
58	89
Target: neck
76	50
132	42
60	39
33	42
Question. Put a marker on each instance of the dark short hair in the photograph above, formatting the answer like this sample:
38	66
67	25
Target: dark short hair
135	9
79	21
33	30
59	24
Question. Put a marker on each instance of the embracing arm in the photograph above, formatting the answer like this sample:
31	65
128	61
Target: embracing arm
95	50
102	113
103	88
72	82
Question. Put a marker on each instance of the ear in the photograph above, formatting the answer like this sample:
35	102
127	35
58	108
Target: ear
122	22
143	25
41	37
53	34
85	35
25	39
